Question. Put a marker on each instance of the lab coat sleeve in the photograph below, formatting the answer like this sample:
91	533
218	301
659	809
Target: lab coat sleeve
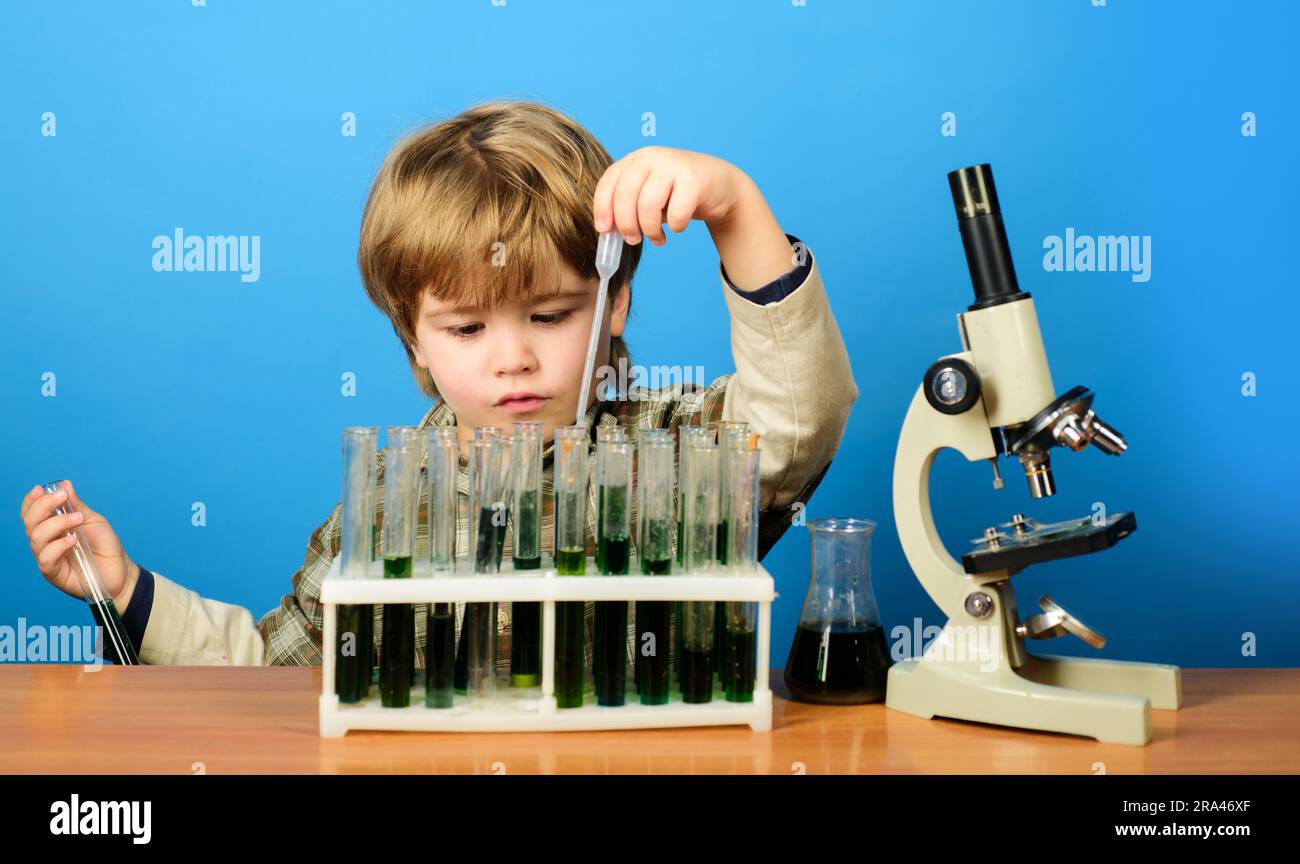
793	384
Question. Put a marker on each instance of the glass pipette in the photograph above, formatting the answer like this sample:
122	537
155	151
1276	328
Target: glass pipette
609	250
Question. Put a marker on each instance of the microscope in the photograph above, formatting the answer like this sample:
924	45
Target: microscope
995	398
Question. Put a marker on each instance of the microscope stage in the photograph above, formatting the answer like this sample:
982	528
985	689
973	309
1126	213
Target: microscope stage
1034	543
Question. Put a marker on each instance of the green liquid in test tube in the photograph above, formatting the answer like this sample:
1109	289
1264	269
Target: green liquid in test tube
441	516
355	624
526	550
655	524
614	473
401	500
570	477
701	495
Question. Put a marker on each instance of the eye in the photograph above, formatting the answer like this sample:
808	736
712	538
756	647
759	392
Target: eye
551	317
463	331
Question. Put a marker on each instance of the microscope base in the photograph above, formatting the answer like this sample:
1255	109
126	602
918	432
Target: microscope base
1109	700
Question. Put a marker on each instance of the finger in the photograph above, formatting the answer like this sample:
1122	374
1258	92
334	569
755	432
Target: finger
625	197
40	509
76	501
602	202
54	528
682	205
48	558
29	499
650	206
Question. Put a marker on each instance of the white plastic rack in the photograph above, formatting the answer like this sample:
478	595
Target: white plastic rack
534	709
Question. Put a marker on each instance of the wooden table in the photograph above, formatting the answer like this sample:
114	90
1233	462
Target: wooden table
58	719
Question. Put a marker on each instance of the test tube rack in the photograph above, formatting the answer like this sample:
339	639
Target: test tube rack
534	709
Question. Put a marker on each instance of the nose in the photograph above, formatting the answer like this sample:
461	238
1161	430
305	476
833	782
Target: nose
513	353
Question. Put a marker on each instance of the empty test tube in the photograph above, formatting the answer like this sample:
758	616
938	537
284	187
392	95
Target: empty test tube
655	530
119	648
441	516
526	550
401	503
699	557
570	478
354	653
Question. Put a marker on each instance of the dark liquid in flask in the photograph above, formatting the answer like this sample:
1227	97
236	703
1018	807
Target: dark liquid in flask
837	665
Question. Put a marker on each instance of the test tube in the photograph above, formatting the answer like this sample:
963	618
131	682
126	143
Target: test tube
401	503
487	512
655	529
482	433
120	650
355	651
526	550
441	516
614	474
687	433
699	557
741	457
604	434
730	433
570	479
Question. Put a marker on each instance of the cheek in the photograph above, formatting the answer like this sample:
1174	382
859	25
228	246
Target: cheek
448	367
567	351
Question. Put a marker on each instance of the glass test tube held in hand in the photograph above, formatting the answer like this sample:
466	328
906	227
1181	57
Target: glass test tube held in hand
401	508
119	648
487	512
699	556
526	550
740	457
655	531
355	652
441	516
570	473
614	473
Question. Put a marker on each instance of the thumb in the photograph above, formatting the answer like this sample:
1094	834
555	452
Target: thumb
75	500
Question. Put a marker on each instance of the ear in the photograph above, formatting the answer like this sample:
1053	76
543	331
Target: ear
618	311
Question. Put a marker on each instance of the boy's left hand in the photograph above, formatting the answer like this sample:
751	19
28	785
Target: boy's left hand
654	185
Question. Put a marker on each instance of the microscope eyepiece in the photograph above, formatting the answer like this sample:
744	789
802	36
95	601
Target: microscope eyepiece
979	219
973	192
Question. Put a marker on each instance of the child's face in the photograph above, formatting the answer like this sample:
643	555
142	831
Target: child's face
479	357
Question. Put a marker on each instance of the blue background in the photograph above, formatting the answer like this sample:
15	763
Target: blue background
183	387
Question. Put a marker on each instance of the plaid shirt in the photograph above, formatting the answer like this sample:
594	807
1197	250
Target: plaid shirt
293	631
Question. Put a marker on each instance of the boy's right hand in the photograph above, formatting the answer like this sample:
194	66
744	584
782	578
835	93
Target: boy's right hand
52	544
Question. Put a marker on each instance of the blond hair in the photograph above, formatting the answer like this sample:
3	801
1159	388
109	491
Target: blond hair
476	209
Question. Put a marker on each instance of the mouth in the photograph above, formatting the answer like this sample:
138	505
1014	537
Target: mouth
520	403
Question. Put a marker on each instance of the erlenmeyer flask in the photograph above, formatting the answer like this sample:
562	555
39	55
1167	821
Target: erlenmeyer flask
839	655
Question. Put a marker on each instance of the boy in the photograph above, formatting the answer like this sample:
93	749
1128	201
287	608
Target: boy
478	243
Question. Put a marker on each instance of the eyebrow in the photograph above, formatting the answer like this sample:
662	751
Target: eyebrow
536	301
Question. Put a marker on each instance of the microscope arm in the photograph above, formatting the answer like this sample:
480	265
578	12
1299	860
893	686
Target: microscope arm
926	432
